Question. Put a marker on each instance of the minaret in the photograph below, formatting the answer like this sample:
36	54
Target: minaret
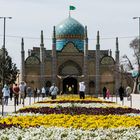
85	68
42	73
117	57
97	88
54	71
22	61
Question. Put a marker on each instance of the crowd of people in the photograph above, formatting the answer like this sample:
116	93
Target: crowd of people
18	93
21	91
14	91
121	92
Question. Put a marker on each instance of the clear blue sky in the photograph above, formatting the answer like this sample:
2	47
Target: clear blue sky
113	18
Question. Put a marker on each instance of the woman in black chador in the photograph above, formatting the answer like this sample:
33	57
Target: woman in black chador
121	92
104	92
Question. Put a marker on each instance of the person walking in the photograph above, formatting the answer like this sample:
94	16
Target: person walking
29	91
121	93
82	88
108	93
53	91
128	91
38	92
22	91
43	92
11	91
47	91
35	92
6	94
16	93
104	92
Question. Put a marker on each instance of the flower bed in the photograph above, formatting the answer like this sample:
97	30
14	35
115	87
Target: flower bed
69	118
79	110
76	121
57	133
75	101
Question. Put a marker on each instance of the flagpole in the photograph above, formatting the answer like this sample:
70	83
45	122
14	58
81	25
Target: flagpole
71	8
69	12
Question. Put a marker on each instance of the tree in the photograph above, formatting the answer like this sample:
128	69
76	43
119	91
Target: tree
8	70
129	64
125	76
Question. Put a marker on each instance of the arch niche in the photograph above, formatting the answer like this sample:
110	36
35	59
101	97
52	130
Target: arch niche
70	68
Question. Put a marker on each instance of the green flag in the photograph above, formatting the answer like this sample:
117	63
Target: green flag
72	7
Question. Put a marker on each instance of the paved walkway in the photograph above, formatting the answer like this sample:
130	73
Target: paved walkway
11	107
135	103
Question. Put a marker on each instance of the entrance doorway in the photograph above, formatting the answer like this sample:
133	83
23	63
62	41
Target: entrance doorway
70	85
48	84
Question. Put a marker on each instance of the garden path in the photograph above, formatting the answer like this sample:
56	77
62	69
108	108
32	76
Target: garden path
11	108
134	103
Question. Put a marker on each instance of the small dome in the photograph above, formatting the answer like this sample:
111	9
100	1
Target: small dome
70	28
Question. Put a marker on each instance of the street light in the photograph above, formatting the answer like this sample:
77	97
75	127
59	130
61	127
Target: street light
139	34
4	19
138	51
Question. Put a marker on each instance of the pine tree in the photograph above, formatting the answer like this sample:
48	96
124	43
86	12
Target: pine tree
8	70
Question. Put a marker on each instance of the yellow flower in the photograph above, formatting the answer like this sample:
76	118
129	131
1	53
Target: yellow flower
77	121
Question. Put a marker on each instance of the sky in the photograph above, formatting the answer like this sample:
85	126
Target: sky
113	18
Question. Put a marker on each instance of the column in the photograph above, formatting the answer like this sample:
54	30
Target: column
42	56
22	61
85	68
97	84
54	68
117	76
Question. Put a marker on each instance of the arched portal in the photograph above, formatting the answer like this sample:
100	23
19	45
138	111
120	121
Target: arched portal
70	85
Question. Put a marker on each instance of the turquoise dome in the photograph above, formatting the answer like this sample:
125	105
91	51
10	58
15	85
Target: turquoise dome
69	26
69	30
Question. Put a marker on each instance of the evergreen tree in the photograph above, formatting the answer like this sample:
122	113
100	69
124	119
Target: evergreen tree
8	70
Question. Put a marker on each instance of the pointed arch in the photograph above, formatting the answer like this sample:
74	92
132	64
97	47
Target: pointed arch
70	68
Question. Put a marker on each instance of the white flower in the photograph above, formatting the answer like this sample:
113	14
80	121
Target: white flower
55	133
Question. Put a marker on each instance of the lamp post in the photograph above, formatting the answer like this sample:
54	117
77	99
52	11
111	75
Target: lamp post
138	54
4	19
139	35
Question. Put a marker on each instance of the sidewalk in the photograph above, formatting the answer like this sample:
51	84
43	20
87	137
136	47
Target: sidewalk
11	107
135	103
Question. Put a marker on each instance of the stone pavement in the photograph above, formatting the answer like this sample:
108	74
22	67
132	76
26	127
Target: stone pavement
11	108
134	103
